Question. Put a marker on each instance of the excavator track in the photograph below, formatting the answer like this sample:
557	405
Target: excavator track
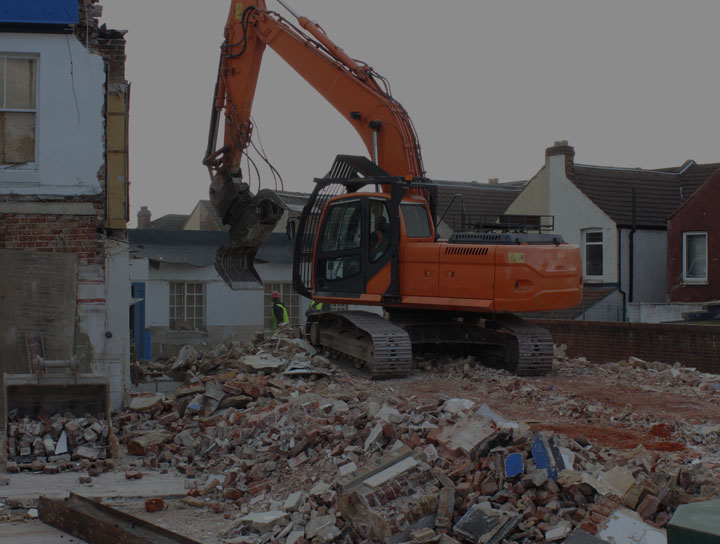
534	345
384	348
367	339
498	340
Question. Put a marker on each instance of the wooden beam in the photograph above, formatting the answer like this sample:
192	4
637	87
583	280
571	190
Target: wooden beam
97	523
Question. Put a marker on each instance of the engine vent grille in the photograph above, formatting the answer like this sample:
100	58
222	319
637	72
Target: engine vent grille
466	250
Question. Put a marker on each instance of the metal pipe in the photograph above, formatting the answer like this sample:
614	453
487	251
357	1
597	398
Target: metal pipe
631	264
375	146
294	14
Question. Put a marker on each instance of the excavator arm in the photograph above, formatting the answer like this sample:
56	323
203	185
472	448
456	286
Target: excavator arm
353	89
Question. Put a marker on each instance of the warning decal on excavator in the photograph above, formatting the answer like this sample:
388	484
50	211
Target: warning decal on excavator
238	10
516	257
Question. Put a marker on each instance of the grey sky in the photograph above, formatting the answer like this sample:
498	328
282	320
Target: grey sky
488	84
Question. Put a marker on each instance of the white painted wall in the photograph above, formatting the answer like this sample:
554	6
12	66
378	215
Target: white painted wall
69	124
114	352
223	305
660	313
534	198
575	212
550	192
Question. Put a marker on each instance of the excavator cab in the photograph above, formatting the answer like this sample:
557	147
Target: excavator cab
350	233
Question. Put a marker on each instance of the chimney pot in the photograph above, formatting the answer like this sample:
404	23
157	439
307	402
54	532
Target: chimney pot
493	181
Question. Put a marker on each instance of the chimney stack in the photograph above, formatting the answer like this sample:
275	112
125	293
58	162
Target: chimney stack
143	217
493	181
561	147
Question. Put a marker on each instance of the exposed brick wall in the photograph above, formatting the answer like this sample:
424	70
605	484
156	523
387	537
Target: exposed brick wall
76	234
109	43
693	345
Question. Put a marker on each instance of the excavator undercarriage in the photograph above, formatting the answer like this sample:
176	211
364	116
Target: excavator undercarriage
383	348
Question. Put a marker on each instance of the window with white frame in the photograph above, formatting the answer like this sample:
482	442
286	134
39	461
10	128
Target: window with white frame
694	257
18	109
593	253
289	298
187	306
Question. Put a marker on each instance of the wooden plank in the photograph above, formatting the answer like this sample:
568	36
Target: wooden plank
98	523
83	525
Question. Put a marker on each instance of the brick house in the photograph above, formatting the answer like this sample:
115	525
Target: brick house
693	264
618	217
64	188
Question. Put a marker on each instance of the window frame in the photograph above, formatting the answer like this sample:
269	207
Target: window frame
428	223
694	280
585	244
193	321
30	165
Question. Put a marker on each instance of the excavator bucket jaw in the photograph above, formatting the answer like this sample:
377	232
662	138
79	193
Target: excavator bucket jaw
252	220
235	265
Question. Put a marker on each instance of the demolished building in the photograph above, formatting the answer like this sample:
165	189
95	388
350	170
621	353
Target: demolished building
64	189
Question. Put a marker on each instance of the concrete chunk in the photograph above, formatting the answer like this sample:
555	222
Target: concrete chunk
626	527
318	525
264	521
146	403
465	435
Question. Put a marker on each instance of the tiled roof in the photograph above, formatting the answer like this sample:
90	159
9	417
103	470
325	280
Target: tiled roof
294	202
171	221
481	199
658	193
198	247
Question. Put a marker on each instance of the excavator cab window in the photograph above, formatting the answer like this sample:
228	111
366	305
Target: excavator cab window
342	233
379	229
415	217
343	226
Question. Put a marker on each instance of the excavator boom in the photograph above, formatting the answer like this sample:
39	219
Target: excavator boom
351	87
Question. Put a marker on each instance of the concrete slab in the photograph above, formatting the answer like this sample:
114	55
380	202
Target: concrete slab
28	486
35	532
626	527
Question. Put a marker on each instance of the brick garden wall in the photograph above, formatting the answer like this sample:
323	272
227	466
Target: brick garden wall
600	342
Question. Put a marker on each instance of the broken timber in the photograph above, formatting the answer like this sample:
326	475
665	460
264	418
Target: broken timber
97	523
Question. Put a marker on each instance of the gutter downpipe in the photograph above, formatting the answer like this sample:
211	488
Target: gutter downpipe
632	249
620	274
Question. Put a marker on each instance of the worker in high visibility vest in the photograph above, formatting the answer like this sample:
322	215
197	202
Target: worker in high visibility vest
279	313
315	308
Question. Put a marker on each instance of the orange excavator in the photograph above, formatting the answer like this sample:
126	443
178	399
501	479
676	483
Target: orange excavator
368	233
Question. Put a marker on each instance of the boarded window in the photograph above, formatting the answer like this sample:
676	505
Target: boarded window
593	248
187	306
18	110
695	256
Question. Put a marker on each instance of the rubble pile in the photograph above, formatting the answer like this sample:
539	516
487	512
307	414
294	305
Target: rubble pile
292	451
58	443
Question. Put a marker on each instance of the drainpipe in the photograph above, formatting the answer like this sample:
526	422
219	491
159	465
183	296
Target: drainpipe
620	275
631	288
